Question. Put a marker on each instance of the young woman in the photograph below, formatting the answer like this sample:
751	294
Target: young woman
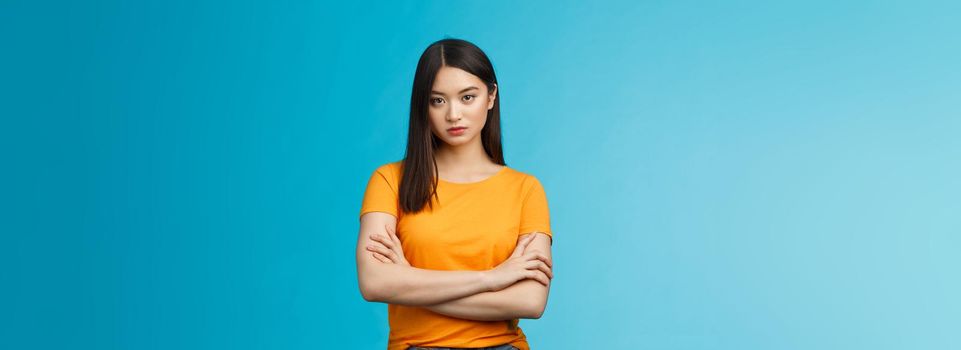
455	242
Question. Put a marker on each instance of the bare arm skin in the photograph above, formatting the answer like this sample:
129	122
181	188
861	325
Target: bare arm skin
406	285
524	299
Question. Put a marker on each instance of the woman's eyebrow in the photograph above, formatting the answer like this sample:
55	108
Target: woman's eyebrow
461	92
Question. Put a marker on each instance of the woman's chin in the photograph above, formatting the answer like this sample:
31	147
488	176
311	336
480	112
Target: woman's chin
457	141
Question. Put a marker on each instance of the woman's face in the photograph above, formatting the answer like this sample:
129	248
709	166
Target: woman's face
458	106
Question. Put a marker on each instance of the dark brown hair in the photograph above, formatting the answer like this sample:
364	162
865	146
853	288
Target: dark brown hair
419	182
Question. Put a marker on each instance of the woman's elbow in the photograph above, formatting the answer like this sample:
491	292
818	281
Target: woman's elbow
368	293
370	290
535	309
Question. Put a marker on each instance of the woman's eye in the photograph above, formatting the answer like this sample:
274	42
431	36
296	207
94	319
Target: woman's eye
469	97
436	100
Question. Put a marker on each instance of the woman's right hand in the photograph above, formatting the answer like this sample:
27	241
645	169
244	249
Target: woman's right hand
519	266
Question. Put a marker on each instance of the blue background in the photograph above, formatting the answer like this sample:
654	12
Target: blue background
721	175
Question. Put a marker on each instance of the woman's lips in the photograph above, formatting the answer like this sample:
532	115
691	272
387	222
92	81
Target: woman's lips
456	131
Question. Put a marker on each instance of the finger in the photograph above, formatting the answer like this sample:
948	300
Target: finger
528	240
547	270
392	233
393	236
389	243
528	237
538	276
382	258
383	240
521	245
543	279
540	266
386	252
522	239
531	237
539	256
380	238
375	243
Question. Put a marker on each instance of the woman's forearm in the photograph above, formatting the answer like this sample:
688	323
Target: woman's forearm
525	299
463	294
406	285
517	301
402	284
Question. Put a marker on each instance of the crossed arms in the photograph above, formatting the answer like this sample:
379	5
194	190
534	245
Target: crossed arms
473	295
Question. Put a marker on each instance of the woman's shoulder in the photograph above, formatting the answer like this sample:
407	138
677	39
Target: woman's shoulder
391	167
526	178
391	170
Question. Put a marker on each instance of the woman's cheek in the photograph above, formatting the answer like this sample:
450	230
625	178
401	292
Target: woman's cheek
479	113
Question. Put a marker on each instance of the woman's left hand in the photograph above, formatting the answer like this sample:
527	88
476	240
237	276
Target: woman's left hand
388	249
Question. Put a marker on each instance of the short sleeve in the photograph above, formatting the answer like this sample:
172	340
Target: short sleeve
381	193
535	216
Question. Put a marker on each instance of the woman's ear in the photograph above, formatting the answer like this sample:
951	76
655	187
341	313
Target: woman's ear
491	97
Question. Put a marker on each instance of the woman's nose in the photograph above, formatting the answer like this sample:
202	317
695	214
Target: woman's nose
453	114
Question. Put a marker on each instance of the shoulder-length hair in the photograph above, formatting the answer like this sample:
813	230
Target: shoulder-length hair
419	181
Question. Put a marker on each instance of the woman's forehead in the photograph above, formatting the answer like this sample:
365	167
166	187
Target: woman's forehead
451	80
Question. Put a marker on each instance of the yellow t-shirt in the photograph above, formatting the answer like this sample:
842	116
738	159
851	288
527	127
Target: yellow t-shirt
473	226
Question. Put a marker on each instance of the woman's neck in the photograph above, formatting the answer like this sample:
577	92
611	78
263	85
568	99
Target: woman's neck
468	158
